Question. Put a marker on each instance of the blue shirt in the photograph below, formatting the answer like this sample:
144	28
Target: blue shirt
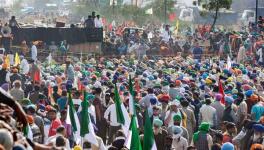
197	52
62	103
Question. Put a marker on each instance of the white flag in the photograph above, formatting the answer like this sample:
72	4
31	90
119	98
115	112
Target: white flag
229	63
149	11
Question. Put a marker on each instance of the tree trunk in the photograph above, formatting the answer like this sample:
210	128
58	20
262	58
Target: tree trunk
216	16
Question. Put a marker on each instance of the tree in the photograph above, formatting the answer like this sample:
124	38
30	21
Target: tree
216	5
159	6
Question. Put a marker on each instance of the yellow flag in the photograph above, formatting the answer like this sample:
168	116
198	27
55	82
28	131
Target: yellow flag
17	59
7	61
177	26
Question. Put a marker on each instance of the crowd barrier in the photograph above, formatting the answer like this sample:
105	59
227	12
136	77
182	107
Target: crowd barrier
42	55
71	35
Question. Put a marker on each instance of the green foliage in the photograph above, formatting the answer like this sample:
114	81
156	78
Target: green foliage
217	4
121	13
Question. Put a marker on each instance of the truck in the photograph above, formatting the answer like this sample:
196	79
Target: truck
249	15
193	14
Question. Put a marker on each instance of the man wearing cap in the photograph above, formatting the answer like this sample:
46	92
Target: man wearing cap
60	131
16	92
31	110
174	110
258	136
15	76
201	139
228	146
145	101
257	110
155	113
159	133
177	119
37	136
229	113
178	142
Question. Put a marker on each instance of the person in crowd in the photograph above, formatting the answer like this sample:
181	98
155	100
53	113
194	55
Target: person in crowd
174	110
16	91
55	122
257	110
178	141
4	74
187	106
24	66
145	101
160	134
34	95
34	51
15	76
219	107
114	126
98	22
37	136
231	132
59	138
201	139
177	122
190	118
62	102
69	71
55	94
89	23
119	140
241	113
24	48
197	52
229	112
31	111
99	113
208	113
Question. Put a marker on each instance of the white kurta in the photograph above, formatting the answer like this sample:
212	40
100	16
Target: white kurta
24	66
34	52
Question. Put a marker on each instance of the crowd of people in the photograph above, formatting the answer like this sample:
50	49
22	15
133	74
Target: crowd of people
168	40
191	102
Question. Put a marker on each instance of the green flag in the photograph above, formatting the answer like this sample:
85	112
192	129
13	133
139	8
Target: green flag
72	113
133	139
84	116
73	120
131	98
149	141
131	86
119	113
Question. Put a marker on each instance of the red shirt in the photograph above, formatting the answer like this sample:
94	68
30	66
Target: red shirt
53	127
